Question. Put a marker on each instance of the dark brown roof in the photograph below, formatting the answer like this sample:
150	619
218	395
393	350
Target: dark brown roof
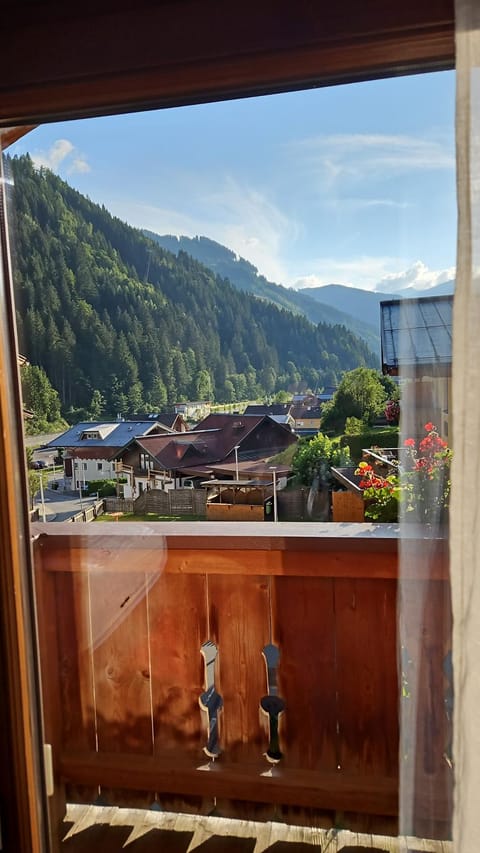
305	412
179	449
215	439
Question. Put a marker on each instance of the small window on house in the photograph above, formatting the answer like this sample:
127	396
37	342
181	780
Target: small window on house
84	466
99	466
146	462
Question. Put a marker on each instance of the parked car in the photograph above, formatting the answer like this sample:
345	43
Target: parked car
39	463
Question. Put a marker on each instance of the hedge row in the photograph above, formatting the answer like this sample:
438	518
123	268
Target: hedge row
387	437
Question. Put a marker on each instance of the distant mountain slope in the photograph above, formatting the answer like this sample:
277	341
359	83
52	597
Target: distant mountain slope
364	303
244	275
119	324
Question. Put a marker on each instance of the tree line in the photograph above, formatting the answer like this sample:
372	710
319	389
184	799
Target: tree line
120	324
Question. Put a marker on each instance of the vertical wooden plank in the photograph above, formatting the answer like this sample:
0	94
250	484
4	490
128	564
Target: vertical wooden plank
347	506
77	729
119	630
304	631
178	627
367	684
51	692
240	626
427	618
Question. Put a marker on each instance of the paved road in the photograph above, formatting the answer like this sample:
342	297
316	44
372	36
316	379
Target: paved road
39	440
60	506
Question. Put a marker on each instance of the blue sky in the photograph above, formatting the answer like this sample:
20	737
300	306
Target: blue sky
351	184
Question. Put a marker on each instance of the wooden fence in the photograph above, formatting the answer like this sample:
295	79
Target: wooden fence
173	502
89	513
123	617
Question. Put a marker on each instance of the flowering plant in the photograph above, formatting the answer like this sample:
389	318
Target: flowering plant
392	411
382	494
421	486
426	477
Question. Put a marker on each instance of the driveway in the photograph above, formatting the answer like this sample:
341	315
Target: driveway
60	506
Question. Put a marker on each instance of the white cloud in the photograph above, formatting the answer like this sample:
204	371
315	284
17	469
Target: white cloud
362	272
416	277
79	165
361	155
383	274
61	153
237	216
352	204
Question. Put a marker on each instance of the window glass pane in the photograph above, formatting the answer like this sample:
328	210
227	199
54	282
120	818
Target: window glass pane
241	312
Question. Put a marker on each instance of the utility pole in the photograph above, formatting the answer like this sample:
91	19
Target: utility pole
44	518
275	508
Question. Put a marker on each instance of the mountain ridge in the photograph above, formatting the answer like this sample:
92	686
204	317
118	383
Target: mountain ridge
120	324
245	276
365	303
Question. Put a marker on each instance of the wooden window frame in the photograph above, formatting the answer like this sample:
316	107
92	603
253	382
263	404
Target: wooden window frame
63	61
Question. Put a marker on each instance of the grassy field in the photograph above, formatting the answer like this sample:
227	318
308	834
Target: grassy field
149	516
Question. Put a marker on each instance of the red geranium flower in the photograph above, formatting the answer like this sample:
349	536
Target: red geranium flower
429	427
409	442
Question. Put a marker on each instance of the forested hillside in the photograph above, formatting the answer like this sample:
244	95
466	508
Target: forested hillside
244	275
119	323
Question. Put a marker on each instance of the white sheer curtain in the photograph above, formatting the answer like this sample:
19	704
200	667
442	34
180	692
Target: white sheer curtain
465	509
426	772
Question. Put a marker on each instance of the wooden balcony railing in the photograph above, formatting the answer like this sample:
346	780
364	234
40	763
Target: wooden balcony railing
123	611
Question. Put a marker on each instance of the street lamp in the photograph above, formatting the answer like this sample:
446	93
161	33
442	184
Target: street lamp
236	449
42	498
275	508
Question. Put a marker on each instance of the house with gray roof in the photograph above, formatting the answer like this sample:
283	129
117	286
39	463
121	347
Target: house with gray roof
90	449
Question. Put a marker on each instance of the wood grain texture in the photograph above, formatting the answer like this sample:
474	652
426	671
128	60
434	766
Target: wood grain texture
178	627
77	726
367	685
218	561
312	789
121	674
427	622
338	672
22	787
239	625
186	53
304	629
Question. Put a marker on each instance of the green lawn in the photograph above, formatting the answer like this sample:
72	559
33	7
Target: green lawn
149	516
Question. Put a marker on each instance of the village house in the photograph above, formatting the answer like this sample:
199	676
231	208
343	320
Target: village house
221	51
222	444
90	449
279	412
306	416
193	409
172	420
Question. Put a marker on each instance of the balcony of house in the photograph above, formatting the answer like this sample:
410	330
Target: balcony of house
247	673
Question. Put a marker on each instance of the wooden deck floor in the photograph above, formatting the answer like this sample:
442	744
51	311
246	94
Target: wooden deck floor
111	829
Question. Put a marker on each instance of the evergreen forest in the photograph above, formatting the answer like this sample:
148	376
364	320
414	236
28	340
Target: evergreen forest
120	324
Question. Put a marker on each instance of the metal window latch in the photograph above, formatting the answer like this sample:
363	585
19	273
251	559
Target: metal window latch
272	704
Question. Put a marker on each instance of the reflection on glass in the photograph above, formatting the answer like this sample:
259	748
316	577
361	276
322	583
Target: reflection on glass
222	377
